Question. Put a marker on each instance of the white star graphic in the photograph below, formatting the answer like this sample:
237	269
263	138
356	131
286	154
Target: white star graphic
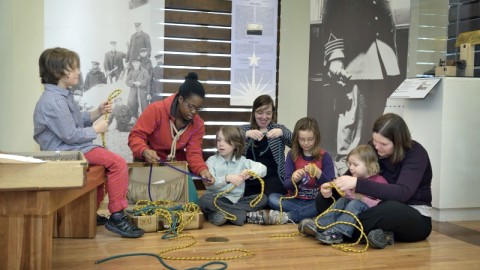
253	60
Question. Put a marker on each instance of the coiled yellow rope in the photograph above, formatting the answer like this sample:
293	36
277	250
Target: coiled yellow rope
244	252
160	208
253	203
359	227
110	98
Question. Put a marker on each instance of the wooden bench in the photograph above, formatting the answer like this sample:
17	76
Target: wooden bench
29	219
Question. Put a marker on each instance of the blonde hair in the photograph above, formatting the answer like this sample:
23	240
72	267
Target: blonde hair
368	156
233	136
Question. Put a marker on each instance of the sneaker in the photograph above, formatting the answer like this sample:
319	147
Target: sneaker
267	217
330	237
101	220
308	227
380	239
119	224
255	217
217	218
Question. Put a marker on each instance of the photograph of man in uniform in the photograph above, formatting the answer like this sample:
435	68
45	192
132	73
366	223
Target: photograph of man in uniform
157	76
113	62
356	69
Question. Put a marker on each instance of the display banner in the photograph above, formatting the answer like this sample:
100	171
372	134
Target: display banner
120	44
358	57
253	50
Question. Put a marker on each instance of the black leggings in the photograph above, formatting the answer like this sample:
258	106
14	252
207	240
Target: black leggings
406	223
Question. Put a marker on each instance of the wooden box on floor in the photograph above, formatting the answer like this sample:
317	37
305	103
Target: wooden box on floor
159	182
196	222
166	183
147	223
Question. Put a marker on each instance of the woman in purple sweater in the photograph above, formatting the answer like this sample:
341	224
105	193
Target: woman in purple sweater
405	210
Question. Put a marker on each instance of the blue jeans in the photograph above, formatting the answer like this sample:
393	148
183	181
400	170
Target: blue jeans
353	206
297	209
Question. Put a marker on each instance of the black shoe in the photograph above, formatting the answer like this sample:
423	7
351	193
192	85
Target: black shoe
380	239
101	220
119	224
330	237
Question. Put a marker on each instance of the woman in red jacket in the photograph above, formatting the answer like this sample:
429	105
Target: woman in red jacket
171	129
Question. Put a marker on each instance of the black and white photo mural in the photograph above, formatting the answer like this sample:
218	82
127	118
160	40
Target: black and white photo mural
358	57
121	46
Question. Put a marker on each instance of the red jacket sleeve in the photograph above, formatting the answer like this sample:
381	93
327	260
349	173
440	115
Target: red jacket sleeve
145	125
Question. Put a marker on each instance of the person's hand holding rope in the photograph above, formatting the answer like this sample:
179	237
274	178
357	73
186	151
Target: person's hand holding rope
245	174
274	133
235	179
345	182
298	175
150	156
100	126
104	109
205	174
326	190
254	134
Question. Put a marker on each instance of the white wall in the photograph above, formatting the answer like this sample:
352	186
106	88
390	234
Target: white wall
293	69
21	35
446	123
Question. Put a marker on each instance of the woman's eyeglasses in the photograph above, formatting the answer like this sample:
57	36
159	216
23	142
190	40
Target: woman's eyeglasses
191	107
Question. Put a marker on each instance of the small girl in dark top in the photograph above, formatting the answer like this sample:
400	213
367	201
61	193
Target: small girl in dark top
308	166
362	162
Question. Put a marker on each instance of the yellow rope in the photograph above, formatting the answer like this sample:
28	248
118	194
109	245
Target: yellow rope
244	252
257	199
253	203
312	170
282	235
110	98
227	215
359	227
160	208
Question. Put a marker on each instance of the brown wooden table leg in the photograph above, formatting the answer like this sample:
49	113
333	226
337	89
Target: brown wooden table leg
78	219
26	242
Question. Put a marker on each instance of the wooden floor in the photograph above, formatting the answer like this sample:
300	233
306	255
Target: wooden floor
450	246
